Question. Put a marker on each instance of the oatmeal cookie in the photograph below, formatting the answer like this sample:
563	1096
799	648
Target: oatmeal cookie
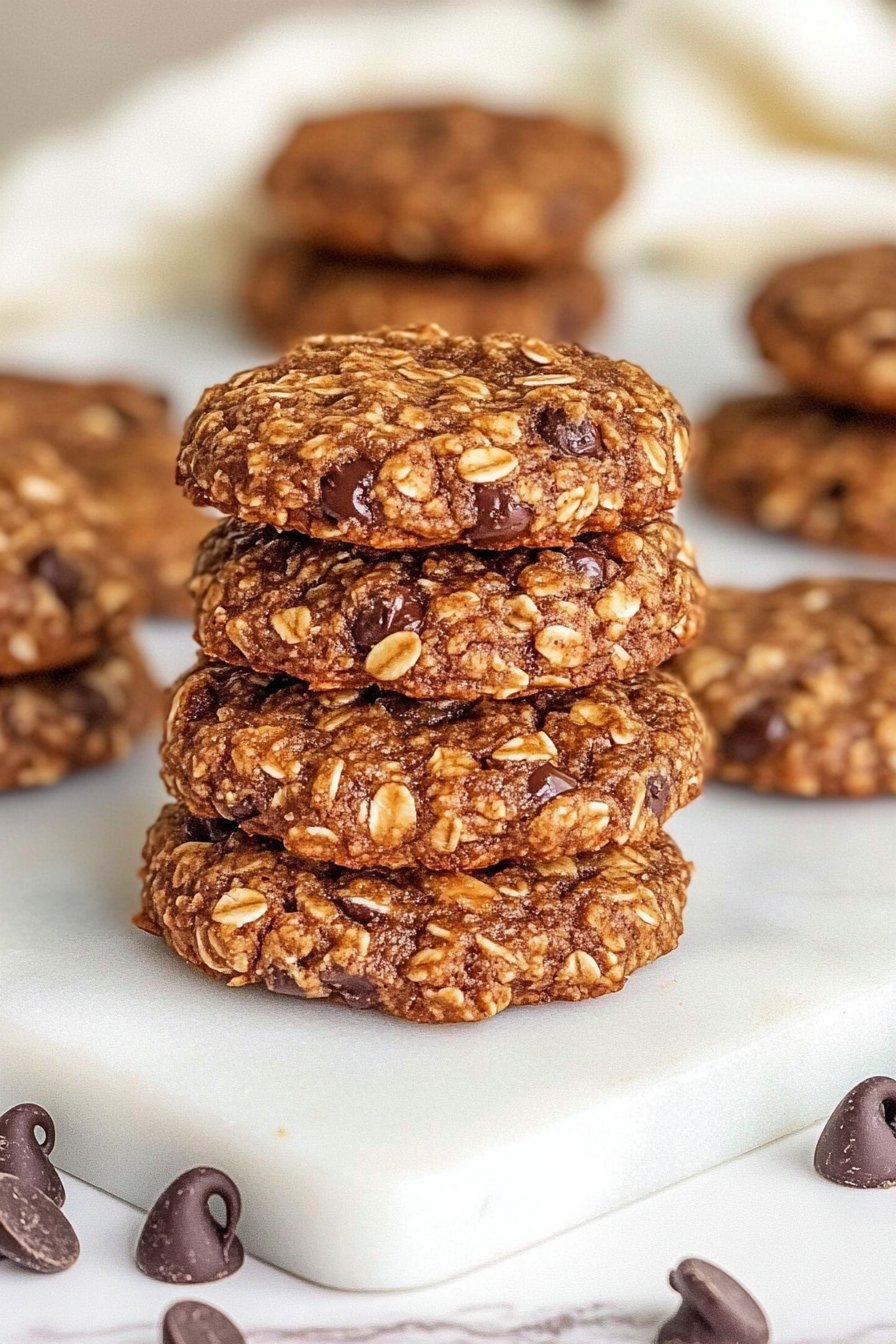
792	464
366	778
424	946
119	438
450	622
417	438
53	724
798	686
452	183
829	324
64	589
293	293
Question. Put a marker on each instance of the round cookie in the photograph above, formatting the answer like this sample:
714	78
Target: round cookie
450	622
452	183
293	293
798	686
416	438
423	946
829	323
367	778
792	464
120	440
64	589
53	724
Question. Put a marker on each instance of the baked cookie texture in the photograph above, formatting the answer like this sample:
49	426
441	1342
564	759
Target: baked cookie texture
291	293
451	183
53	724
415	438
119	438
423	946
829	324
448	622
793	464
798	686
375	779
64	590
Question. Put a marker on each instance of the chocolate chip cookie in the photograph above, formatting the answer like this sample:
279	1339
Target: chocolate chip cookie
53	724
418	945
451	183
829	323
293	293
449	622
412	438
792	464
119	438
798	686
64	589
372	778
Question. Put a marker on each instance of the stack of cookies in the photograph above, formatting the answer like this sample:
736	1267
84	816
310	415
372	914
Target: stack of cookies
426	756
450	213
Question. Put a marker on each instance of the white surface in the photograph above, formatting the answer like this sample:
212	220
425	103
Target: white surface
375	1154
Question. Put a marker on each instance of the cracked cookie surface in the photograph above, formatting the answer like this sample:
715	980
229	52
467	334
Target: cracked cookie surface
450	183
798	686
829	323
415	438
423	946
372	778
449	622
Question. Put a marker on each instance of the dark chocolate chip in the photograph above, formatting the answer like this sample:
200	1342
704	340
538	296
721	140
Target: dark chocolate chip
281	982
356	910
427	713
547	782
588	563
755	733
499	517
857	1146
384	614
357	990
345	491
87	703
58	573
181	1242
714	1309
34	1232
208	830
198	1323
567	437
656	794
22	1154
242	809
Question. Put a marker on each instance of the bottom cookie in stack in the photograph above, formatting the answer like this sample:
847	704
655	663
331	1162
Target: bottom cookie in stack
429	947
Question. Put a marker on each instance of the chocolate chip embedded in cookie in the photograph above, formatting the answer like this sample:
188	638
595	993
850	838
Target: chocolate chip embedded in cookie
829	323
792	464
798	686
417	438
371	778
53	724
451	183
424	946
449	622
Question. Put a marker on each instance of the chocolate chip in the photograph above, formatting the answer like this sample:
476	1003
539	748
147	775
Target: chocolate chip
201	703
714	1309
547	782
242	809
357	990
567	437
499	517
345	490
656	794
181	1242
356	910
198	1323
58	573
384	614
87	703
208	830
588	563
34	1232
426	713
281	982
857	1146
755	733
22	1154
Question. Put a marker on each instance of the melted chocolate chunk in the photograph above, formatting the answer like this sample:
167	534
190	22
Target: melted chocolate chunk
588	563
714	1309
547	782
58	573
34	1232
279	982
657	794
208	830
567	437
356	990
755	733
198	1323
22	1154
499	517
428	713
386	613
345	491
857	1146
181	1242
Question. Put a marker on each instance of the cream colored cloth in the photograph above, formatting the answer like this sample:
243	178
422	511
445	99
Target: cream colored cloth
758	129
